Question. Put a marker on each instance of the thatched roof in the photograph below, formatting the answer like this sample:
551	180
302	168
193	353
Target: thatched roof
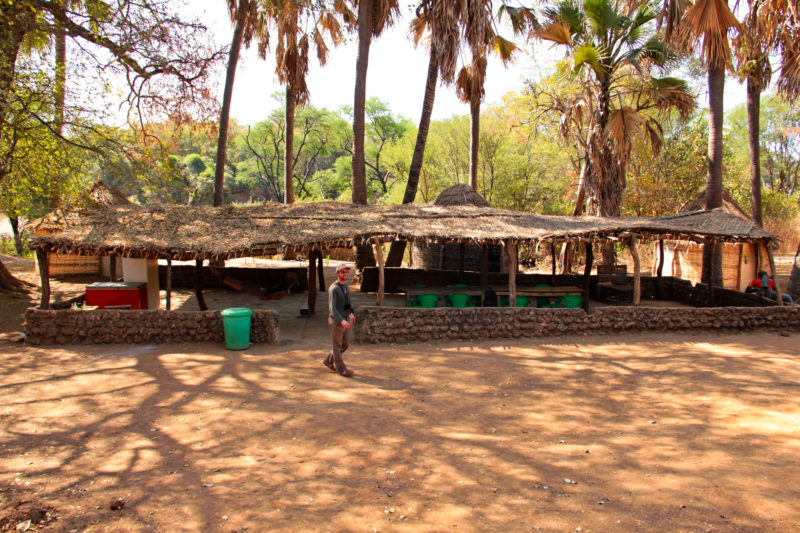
203	232
460	194
103	194
728	204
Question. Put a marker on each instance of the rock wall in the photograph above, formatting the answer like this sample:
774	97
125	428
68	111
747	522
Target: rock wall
403	325
111	326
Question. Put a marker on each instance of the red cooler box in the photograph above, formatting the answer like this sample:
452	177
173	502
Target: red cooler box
113	293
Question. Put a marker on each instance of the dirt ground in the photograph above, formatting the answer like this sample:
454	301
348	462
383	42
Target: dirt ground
621	433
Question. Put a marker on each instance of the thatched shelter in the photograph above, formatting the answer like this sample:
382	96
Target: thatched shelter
740	261
208	233
63	264
450	256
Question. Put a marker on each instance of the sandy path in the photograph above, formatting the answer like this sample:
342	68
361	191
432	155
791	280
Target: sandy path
666	433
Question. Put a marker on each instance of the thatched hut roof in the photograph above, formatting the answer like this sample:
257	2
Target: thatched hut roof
204	232
103	194
460	194
728	204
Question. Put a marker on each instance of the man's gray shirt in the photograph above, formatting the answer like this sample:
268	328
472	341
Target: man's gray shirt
338	299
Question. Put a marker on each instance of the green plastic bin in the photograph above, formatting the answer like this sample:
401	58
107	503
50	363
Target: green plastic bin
571	301
236	323
522	301
428	301
459	299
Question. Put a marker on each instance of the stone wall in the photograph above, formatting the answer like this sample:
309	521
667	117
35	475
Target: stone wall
112	326
403	325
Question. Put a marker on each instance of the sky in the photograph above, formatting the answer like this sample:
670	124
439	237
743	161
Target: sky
396	74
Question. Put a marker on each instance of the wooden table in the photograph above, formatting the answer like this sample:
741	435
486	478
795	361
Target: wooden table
413	291
539	292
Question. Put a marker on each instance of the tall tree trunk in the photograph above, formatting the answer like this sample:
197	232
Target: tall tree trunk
794	280
13	220
360	97
568	250
474	141
398	248
7	280
14	22
59	97
712	256
607	176
225	111
754	138
364	255
288	152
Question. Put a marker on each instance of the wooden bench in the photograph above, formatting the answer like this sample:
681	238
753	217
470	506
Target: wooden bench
613	285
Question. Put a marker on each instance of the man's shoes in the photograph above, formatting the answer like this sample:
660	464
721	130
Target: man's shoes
346	373
329	364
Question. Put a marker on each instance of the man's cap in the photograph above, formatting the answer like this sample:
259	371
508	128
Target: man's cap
342	266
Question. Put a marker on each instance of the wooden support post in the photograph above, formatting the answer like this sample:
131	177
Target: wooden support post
198	284
312	281
321	272
511	250
553	257
774	274
660	271
711	280
587	274
44	274
381	279
461	250
112	267
485	265
169	283
637	271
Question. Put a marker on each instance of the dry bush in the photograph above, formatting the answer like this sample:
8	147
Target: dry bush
788	229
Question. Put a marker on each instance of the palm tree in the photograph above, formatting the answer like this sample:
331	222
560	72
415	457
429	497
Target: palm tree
711	21
480	37
373	17
244	14
440	19
614	54
291	57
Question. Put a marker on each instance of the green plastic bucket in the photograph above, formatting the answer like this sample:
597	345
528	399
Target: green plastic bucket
459	299
571	301
522	301
236	323
428	300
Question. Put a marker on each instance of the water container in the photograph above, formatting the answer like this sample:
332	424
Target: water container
236	324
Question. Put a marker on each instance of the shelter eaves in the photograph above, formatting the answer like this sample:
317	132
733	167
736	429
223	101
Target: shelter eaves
204	232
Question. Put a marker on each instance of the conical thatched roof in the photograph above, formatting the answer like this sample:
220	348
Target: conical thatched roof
102	194
728	204
460	194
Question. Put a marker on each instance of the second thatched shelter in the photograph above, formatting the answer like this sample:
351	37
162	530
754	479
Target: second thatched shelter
740	261
438	256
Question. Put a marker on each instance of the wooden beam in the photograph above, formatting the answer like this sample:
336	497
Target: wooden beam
461	253
637	271
774	274
312	281
587	274
485	265
112	267
711	275
553	257
44	274
381	278
321	272
511	250
198	284
169	283
660	271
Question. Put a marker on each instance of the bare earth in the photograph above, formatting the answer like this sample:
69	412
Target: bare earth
621	433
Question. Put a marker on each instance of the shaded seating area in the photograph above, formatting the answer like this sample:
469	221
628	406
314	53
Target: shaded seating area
205	234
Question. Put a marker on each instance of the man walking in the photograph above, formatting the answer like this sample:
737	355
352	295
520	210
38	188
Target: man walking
341	320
